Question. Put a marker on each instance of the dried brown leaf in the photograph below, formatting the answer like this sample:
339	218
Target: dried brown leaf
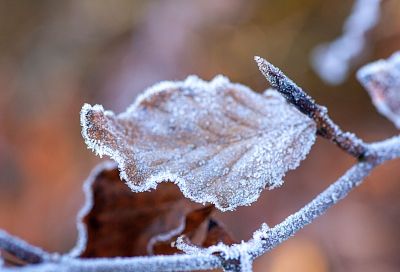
216	233
117	222
219	142
163	243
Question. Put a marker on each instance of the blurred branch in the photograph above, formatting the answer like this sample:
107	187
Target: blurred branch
332	61
22	250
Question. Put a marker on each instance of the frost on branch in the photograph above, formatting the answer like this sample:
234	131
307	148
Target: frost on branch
218	141
382	81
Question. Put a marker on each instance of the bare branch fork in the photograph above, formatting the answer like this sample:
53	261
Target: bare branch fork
237	257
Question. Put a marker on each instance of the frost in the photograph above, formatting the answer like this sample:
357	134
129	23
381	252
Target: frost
382	81
332	61
87	190
22	251
218	141
244	252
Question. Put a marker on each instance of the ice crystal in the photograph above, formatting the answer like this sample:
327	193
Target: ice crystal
243	252
218	141
332	61
382	81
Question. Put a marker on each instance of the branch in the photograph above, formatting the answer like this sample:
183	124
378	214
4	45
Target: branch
126	264
304	103
318	206
22	250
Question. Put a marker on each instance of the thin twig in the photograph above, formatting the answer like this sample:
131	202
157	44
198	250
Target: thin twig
304	103
22	250
126	264
318	206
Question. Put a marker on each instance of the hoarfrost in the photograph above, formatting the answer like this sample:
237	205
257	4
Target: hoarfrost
332	61
218	141
382	81
87	190
244	252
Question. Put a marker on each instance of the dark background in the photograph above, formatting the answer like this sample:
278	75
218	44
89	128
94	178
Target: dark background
56	55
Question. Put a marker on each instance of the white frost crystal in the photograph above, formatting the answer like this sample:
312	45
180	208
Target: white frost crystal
382	81
220	142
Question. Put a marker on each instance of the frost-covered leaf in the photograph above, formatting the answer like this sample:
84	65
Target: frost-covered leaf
116	222
219	142
382	81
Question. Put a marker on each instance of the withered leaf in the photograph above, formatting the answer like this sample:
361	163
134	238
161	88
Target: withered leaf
218	141
382	81
216	233
117	222
163	243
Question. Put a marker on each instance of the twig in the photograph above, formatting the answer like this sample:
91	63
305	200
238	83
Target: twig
128	264
335	192
22	250
304	103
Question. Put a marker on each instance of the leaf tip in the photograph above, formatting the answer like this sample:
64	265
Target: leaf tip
92	119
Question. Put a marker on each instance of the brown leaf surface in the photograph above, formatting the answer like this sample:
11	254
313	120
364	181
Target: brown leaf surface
117	222
216	233
163	244
120	222
382	81
219	142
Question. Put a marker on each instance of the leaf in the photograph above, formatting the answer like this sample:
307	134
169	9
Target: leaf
163	243
217	233
382	81
116	222
218	141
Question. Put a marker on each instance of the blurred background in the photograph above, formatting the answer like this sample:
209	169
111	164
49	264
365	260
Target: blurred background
56	55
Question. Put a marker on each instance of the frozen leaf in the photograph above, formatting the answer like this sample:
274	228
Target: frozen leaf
218	141
382	81
116	222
